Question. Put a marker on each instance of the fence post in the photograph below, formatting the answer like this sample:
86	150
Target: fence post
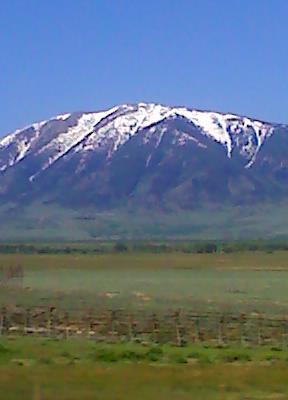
259	330
221	338
130	327
28	320
66	325
113	323
179	330
284	333
91	322
51	321
242	330
197	329
3	321
155	328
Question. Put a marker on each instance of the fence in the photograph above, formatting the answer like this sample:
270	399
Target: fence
178	327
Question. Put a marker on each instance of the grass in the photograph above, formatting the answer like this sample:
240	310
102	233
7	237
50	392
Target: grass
244	282
81	369
149	261
38	351
50	369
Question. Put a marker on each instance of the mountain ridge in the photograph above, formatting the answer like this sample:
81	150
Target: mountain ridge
144	157
206	121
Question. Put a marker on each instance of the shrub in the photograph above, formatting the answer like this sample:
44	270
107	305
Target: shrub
194	354
66	354
154	354
105	355
45	360
203	358
178	358
132	355
235	356
275	348
3	349
120	247
272	357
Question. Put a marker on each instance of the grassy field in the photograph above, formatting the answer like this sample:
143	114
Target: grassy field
80	369
77	368
238	282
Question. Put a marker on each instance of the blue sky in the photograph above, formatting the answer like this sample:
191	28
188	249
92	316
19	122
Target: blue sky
67	55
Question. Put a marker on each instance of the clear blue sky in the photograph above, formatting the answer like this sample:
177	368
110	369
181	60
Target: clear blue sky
67	55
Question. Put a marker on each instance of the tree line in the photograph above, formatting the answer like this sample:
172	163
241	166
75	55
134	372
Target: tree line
196	247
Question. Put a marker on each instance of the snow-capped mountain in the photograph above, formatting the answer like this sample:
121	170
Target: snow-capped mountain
84	132
146	154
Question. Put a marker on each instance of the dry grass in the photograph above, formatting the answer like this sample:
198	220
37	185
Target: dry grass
143	382
243	260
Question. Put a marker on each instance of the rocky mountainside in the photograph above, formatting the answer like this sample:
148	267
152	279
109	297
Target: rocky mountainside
145	156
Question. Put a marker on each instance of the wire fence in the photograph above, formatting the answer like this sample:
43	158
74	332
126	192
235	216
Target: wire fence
179	328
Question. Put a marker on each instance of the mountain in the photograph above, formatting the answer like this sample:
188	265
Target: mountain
146	160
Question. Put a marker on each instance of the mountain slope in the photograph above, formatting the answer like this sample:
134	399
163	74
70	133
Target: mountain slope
145	158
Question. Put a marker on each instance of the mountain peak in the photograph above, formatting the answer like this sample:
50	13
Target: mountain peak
120	123
125	121
151	152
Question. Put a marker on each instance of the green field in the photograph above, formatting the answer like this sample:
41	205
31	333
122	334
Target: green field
238	282
80	369
39	368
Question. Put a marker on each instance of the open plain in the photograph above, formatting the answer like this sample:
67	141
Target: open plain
229	365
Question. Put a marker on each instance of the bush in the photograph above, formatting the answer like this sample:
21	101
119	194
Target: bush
178	358
235	356
205	247
3	349
132	355
154	354
204	359
272	357
105	355
275	348
66	354
194	354
45	360
120	247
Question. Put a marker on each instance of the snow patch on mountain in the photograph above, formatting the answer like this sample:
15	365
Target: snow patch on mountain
219	127
23	144
64	141
120	129
111	129
223	127
63	117
7	140
212	124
